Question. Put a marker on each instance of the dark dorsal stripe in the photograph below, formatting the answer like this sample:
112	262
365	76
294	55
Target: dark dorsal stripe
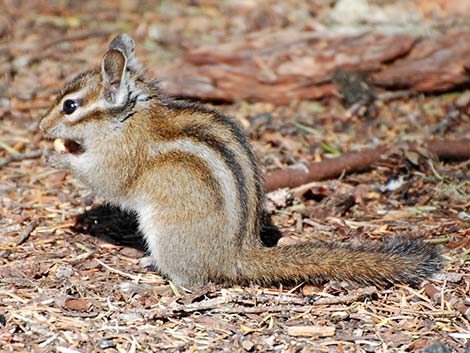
240	138
200	133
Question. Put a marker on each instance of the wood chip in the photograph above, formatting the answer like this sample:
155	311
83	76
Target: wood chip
311	331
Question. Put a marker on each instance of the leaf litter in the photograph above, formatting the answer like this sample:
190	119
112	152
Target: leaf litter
65	286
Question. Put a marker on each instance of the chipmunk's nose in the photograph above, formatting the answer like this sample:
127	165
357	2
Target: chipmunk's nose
45	124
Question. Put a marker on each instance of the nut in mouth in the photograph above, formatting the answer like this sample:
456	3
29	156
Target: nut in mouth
68	146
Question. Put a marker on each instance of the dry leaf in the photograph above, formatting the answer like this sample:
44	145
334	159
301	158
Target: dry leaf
78	304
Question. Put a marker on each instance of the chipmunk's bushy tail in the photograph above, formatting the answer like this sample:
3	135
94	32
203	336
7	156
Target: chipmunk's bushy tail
396	260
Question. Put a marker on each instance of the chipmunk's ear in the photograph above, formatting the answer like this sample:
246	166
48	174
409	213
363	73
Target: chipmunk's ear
113	71
126	44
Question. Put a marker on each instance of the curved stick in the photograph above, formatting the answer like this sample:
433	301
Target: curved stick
357	162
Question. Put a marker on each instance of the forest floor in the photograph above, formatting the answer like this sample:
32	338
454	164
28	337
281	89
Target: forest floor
66	287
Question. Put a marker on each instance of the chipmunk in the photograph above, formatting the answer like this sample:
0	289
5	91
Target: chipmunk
191	176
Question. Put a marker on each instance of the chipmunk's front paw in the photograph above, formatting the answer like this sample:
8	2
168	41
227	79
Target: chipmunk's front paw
58	160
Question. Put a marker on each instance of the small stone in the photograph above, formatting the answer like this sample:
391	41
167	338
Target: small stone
131	252
248	345
132	288
64	271
146	261
437	347
130	317
463	100
105	344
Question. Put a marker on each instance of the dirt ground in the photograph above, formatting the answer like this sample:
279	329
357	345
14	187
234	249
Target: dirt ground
67	286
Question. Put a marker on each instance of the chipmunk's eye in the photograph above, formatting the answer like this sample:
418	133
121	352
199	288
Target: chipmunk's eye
69	106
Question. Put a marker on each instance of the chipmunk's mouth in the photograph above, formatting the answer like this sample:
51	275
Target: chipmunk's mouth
68	146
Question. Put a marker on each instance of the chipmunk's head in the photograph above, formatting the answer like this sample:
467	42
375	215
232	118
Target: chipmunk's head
96	102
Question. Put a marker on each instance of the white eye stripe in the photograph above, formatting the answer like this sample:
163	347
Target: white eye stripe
75	96
82	111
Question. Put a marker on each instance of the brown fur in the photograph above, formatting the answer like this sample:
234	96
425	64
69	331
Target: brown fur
192	178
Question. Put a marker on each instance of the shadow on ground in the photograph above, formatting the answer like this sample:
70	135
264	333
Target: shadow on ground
117	226
111	224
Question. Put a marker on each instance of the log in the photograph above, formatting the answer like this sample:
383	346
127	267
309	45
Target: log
358	161
434	64
285	66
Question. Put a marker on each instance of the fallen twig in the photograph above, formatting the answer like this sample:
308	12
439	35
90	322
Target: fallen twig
135	278
416	313
20	157
285	303
27	232
358	161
